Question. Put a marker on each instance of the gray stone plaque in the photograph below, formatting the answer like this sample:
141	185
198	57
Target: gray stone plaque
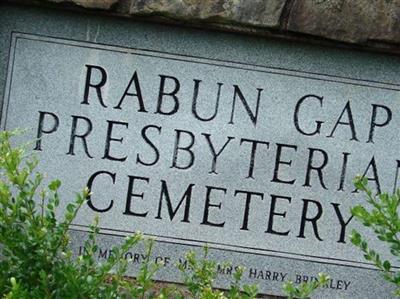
203	138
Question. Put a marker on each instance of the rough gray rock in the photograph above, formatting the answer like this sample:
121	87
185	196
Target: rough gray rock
365	23
355	21
98	4
263	13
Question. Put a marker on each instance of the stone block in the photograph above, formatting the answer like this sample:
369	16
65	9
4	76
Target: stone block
347	21
96	4
255	13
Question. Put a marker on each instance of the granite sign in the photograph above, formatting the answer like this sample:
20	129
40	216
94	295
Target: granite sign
256	161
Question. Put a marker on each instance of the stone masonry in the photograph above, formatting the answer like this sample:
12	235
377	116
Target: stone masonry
373	24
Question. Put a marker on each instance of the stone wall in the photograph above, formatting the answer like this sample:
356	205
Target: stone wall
366	24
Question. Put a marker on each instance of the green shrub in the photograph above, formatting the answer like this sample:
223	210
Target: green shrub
200	274
305	289
36	260
381	216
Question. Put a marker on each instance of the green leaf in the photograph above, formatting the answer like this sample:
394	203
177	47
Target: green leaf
71	208
54	185
355	238
386	265
359	212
